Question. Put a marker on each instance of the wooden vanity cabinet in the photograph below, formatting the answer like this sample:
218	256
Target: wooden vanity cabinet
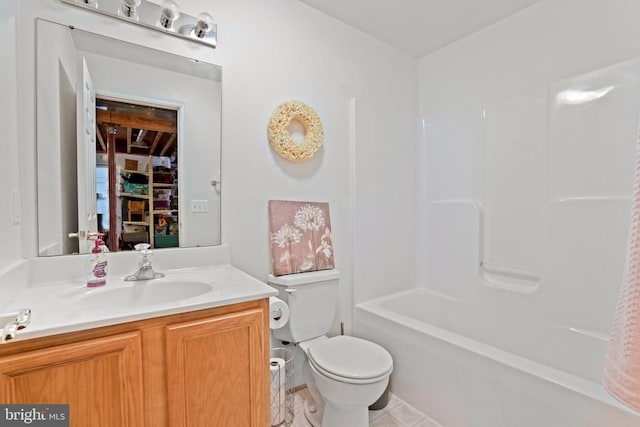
216	369
204	368
100	378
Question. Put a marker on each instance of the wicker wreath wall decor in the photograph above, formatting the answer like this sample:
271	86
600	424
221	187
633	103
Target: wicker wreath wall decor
280	138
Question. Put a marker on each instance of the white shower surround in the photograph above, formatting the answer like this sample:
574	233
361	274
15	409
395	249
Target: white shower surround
477	349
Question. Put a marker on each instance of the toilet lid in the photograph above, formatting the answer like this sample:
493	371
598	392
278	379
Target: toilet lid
351	358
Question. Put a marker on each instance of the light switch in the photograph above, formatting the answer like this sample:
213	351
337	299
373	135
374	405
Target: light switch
199	206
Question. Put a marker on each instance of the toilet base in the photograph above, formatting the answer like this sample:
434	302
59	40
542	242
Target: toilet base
345	416
335	416
311	412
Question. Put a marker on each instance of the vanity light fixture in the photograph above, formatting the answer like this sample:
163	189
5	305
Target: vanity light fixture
159	15
203	25
169	13
203	29
129	9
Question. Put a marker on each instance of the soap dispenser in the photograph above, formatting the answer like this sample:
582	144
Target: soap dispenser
97	264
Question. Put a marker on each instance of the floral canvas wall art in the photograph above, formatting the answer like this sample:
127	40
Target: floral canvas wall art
300	234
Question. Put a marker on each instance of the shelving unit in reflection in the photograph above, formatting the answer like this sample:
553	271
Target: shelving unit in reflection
149	204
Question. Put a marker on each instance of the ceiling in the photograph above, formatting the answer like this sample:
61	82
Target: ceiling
419	27
144	130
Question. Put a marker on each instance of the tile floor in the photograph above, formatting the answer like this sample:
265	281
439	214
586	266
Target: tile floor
397	413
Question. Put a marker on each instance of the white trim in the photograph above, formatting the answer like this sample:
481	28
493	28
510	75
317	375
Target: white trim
353	207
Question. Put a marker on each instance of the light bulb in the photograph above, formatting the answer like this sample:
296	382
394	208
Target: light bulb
128	8
204	24
169	13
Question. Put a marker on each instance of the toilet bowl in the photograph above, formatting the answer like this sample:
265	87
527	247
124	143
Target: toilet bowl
345	375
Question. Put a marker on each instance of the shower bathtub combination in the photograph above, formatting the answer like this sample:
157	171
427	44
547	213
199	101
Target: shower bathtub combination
524	211
463	366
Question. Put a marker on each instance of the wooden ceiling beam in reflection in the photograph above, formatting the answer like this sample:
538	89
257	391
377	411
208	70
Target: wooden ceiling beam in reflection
136	121
103	146
168	144
155	142
129	140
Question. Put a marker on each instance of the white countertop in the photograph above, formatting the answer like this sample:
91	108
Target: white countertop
64	306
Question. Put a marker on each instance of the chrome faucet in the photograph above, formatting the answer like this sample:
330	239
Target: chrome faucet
145	270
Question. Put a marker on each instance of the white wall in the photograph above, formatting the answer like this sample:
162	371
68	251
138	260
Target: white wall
363	90
11	246
57	54
69	164
513	72
365	94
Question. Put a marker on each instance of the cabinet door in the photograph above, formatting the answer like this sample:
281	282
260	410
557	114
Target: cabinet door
100	379
217	371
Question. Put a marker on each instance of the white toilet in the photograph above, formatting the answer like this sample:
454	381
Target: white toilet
344	374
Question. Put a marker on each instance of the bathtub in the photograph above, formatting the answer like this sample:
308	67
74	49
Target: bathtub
463	365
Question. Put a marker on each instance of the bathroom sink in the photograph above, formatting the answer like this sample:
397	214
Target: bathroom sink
142	293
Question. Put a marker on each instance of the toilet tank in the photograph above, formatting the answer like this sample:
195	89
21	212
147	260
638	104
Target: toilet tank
312	299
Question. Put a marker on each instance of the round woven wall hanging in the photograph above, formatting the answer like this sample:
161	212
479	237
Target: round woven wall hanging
280	137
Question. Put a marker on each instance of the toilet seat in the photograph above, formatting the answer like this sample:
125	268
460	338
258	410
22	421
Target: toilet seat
350	360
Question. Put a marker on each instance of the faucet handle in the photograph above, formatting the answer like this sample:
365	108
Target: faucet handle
145	254
142	247
143	250
145	271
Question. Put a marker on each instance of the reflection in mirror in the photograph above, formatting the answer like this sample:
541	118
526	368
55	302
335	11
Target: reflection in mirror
128	144
137	175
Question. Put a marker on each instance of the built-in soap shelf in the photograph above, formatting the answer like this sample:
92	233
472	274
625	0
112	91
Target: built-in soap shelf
466	221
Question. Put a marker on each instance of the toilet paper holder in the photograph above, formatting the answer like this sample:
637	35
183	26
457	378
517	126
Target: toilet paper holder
282	388
278	313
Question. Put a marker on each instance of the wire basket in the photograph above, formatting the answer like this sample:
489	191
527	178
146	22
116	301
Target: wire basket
282	386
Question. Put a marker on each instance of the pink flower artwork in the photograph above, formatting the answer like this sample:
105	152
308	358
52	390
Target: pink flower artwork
300	235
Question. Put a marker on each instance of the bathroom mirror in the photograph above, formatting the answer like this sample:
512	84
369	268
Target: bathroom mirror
128	144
